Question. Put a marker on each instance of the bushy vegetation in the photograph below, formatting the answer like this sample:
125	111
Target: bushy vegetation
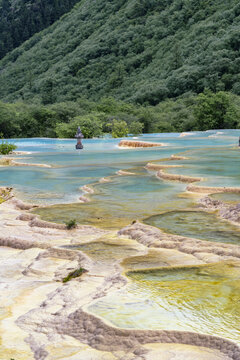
74	274
143	51
6	148
71	224
20	19
207	110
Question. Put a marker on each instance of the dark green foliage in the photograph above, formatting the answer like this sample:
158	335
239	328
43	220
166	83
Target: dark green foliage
71	224
135	128
20	19
90	124
207	110
215	111
142	51
74	274
119	128
6	148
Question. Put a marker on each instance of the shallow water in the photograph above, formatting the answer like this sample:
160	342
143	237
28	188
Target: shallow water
203	299
228	198
109	249
102	158
196	224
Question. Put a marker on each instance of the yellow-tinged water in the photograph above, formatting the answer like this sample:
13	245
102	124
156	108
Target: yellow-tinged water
203	299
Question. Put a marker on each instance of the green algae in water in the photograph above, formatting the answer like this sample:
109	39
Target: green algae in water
108	251
118	203
228	198
203	299
196	224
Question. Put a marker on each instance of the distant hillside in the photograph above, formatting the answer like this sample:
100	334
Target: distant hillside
20	19
136	50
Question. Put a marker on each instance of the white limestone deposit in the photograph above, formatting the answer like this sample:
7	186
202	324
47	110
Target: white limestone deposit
43	318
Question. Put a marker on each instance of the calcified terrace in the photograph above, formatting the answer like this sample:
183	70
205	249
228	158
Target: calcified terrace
70	320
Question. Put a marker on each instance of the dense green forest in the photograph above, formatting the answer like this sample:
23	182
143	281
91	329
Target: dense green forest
20	19
142	51
120	66
205	111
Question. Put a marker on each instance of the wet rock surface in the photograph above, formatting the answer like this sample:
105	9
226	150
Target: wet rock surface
228	212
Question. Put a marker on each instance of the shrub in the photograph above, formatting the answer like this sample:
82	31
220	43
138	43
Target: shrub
74	274
119	128
71	224
136	128
6	148
90	127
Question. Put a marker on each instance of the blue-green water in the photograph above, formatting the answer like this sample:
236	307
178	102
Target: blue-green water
212	154
196	224
199	298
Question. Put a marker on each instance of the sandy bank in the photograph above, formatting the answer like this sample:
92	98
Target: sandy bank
135	144
175	177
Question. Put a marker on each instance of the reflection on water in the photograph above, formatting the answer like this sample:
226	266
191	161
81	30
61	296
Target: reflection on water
203	299
196	224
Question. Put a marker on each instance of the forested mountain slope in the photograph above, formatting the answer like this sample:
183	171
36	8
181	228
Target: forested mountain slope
138	50
20	19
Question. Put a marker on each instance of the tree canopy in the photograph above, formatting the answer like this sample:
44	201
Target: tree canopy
142	51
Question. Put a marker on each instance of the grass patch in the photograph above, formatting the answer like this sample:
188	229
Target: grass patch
71	224
74	274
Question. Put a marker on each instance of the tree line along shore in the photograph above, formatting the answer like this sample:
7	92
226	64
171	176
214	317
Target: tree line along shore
190	112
